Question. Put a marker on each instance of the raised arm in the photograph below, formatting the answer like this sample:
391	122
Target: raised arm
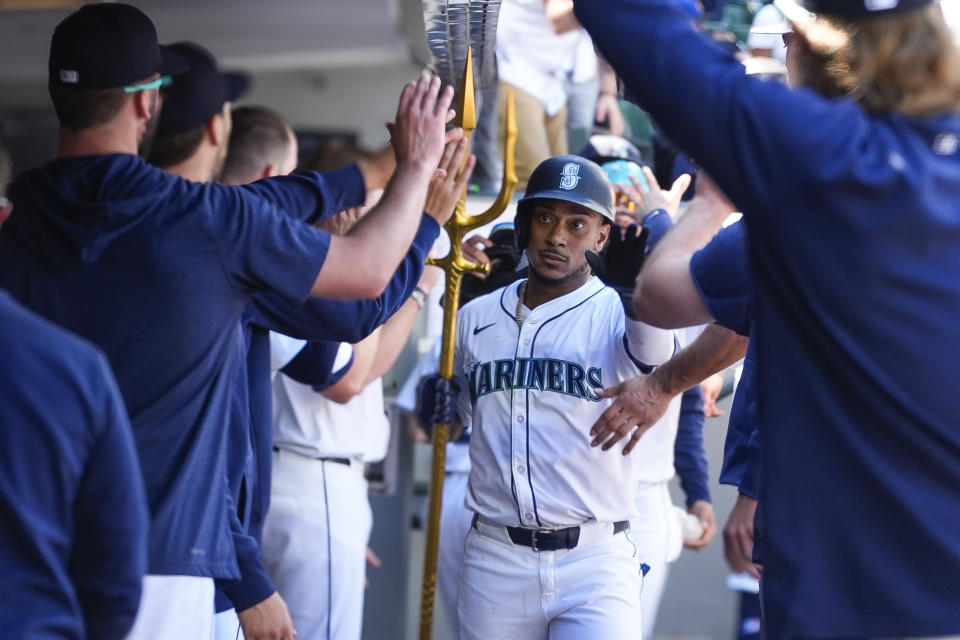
666	294
378	242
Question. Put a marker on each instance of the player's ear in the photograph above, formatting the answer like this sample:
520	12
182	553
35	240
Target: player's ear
603	236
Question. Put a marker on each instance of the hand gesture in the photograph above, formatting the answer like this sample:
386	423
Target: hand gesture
417	134
638	404
657	198
447	187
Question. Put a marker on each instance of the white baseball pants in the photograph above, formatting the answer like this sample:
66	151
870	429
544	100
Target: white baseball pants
314	544
656	532
455	524
510	591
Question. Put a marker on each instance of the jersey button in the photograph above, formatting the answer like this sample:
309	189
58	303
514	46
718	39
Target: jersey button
528	516
527	341
519	418
521	469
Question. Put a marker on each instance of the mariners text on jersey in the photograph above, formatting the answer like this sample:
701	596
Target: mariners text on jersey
541	374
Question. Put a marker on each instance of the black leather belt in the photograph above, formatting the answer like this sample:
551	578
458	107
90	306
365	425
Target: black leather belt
551	539
343	461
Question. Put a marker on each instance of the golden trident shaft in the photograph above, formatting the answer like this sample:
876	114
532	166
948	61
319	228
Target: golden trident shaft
454	266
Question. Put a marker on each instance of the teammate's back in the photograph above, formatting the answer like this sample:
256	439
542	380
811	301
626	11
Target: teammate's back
73	545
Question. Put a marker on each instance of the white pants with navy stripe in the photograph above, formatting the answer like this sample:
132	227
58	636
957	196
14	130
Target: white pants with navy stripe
314	544
659	539
455	524
510	591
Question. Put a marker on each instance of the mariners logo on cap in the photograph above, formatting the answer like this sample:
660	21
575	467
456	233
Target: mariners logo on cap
69	76
571	176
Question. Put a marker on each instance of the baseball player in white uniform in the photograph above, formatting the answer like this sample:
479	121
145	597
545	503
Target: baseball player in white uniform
316	532
549	554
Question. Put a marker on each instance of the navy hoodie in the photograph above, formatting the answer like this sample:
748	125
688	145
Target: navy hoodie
156	271
854	236
73	513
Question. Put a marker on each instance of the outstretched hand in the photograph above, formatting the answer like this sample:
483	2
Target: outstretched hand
446	186
657	198
418	132
638	403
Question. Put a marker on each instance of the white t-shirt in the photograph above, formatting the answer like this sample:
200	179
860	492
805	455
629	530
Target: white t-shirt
307	423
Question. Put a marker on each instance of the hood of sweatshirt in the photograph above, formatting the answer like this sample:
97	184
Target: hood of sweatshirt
70	210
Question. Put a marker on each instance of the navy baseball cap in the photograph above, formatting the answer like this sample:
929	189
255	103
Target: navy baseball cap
802	11
199	92
108	46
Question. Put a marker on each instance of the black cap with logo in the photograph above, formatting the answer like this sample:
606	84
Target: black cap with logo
107	46
199	92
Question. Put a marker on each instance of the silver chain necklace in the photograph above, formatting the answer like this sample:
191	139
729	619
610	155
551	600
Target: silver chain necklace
521	296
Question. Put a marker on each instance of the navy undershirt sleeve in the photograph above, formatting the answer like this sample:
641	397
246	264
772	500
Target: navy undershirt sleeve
750	482
658	222
347	320
254	585
312	196
689	457
313	365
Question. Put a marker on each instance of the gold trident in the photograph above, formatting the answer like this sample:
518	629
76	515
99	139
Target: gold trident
454	266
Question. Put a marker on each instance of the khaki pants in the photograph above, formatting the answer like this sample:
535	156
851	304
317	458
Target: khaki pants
539	136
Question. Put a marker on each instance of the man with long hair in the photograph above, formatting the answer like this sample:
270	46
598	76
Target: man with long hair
848	185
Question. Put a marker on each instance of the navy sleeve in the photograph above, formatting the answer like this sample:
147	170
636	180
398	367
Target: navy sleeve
312	196
750	482
659	222
314	365
762	142
347	320
721	272
689	457
261	248
109	555
741	448
254	585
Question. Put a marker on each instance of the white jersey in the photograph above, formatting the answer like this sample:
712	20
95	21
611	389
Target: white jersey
529	396
307	423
